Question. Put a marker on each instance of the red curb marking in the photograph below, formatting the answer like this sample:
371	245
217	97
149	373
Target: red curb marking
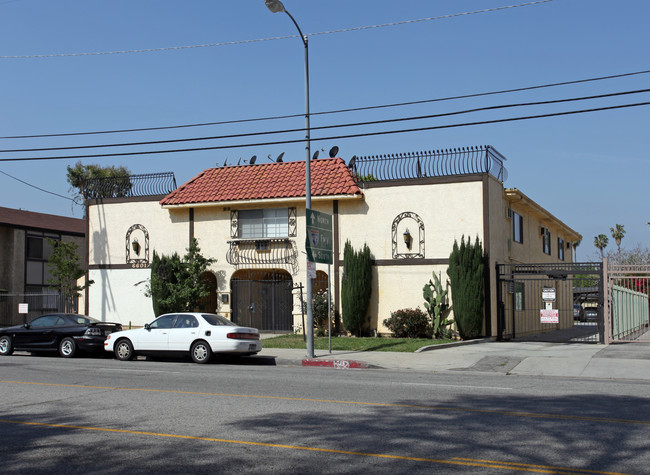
339	364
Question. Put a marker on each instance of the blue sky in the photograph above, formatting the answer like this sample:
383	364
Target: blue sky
589	170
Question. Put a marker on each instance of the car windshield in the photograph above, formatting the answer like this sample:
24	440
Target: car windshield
216	320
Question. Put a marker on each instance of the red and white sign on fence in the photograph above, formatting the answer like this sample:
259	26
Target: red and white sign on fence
549	315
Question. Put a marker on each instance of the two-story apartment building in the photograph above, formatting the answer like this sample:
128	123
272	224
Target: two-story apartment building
409	209
24	256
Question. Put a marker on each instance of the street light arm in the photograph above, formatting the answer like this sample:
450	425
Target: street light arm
302	37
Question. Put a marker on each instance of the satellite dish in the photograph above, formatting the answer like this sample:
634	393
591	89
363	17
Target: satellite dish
252	160
315	156
334	151
279	159
351	165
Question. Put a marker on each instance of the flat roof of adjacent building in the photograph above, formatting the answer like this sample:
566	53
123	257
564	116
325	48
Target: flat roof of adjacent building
18	218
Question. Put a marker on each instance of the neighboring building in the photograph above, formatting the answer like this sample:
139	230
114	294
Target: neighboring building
409	209
24	254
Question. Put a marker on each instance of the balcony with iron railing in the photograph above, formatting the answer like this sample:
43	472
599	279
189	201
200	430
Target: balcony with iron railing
279	252
435	163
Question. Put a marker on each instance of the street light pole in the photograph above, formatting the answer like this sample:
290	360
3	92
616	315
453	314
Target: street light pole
276	6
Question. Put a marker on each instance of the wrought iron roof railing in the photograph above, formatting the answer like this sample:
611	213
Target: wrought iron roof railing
435	163
146	184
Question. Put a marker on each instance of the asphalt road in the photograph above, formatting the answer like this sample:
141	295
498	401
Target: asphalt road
243	416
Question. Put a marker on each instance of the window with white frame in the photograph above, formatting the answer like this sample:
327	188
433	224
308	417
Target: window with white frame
517	227
546	241
263	223
560	248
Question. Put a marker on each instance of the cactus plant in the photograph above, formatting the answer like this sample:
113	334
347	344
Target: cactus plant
437	305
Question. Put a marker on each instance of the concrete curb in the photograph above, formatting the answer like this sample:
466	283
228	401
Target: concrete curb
338	364
456	343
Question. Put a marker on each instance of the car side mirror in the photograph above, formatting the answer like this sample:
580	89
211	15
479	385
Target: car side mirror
147	326
26	325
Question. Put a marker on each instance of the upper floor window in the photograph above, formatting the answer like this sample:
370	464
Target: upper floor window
263	223
37	254
546	241
517	227
560	248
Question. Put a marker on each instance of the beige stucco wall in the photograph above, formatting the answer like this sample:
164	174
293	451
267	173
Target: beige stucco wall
118	296
109	223
447	212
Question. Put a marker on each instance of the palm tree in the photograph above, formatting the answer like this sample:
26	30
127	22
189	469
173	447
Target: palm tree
575	250
617	233
600	242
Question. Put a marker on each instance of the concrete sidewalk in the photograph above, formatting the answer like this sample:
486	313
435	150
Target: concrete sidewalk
619	361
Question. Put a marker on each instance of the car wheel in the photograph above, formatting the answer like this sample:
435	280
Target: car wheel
124	350
67	347
6	345
201	352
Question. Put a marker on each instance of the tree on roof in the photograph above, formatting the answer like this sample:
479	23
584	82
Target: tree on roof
94	181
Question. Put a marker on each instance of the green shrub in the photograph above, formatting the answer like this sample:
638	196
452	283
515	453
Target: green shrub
466	264
356	287
409	323
320	309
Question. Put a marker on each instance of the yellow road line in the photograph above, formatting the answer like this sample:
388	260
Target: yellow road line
358	403
455	461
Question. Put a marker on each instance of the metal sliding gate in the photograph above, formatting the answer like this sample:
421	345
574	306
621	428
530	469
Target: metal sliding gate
551	302
628	297
263	300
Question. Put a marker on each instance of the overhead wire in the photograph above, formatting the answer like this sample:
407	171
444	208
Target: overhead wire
339	137
39	188
324	127
355	109
230	43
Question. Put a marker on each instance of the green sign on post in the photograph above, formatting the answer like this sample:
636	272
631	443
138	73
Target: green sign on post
319	237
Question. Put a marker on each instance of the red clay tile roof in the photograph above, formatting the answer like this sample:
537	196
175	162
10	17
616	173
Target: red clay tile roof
329	177
18	218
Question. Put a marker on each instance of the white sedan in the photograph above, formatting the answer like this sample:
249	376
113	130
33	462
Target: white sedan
199	334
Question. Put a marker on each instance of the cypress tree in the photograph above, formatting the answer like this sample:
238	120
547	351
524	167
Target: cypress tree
356	287
465	271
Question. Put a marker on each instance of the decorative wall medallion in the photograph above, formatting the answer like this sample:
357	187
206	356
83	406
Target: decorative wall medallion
408	236
137	246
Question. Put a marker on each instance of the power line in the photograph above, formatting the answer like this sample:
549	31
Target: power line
339	137
357	109
325	127
230	43
38	188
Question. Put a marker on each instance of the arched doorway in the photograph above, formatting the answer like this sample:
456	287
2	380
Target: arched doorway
262	298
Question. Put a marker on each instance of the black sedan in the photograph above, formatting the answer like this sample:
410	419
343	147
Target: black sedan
65	332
